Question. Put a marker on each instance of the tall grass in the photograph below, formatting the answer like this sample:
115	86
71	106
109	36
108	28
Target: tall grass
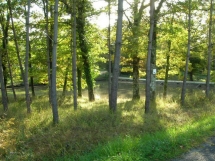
92	133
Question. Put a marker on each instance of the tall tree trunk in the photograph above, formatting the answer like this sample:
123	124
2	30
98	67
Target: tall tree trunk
49	44
79	71
3	89
114	85
167	70
54	66
31	77
153	53
109	53
138	14
66	78
74	57
148	67
153	63
183	91
209	50
27	95
169	43
5	26
15	41
11	77
136	89
84	48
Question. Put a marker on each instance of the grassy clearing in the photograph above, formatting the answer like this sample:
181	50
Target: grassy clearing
92	133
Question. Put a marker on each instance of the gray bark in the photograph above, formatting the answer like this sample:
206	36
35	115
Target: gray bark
74	57
109	53
148	67
209	50
27	95
114	85
54	66
183	91
3	88
167	70
49	45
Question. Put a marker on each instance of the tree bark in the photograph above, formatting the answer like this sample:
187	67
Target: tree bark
79	72
15	41
109	53
136	89
49	45
31	77
167	70
26	82
74	58
183	91
3	89
114	85
66	79
209	50
84	48
54	66
148	67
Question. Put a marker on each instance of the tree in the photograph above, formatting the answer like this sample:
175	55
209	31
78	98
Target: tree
54	66
26	82
114	85
148	67
74	66
15	40
49	27
81	23
153	54
209	50
3	89
135	29
183	91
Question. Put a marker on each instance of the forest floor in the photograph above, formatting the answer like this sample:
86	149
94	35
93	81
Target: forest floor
167	132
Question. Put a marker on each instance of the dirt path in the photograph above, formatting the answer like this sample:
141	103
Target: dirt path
205	152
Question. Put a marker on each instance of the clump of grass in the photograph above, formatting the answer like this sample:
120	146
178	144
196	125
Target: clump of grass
93	133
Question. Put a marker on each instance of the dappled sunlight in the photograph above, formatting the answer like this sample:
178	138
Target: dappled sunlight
91	124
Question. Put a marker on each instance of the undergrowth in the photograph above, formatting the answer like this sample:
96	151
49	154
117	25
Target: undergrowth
93	133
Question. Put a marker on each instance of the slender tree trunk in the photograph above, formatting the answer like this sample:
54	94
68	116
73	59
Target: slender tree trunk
31	77
136	89
79	71
153	63
167	70
54	66
114	85
84	48
5	26
49	45
3	89
66	79
11	77
109	53
15	41
183	91
27	95
209	50
74	57
148	67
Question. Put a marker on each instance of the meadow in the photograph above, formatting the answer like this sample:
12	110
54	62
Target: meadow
93	133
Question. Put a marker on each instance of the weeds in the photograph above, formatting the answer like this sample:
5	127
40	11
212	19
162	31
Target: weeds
92	133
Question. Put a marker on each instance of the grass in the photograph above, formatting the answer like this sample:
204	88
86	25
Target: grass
92	133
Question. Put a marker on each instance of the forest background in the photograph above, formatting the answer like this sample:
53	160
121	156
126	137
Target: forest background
43	43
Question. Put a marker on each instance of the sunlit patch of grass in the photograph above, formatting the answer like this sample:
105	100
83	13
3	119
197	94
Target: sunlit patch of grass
94	132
